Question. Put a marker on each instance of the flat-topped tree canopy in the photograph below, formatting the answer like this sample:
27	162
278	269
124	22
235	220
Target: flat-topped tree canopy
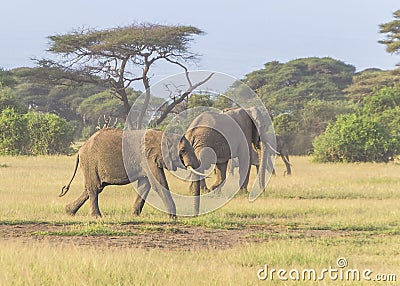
119	56
133	40
392	31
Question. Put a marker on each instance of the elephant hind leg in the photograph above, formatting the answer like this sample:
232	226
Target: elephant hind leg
93	188
73	207
220	171
94	202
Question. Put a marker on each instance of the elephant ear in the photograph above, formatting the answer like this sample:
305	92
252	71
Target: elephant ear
168	148
152	149
254	114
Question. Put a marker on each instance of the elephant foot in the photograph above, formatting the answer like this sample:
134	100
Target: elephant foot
173	217
205	191
243	190
96	214
217	191
70	210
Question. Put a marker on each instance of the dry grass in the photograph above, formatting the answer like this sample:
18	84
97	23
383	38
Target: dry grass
38	264
361	199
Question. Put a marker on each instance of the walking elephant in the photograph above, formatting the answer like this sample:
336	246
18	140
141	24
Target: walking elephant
102	162
247	130
281	149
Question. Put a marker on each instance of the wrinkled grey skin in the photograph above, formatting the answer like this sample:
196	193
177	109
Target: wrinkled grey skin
282	150
101	160
252	143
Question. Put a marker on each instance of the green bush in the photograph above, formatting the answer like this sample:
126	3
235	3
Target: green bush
372	133
49	134
382	100
33	133
355	138
13	136
8	101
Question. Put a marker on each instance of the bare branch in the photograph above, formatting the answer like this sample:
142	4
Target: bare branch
110	55
185	94
106	122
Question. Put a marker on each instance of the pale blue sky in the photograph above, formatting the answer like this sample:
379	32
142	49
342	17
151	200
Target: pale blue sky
239	37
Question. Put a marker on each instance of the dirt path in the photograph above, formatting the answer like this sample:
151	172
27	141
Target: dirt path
166	236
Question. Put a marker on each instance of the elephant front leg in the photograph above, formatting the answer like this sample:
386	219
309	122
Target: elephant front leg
143	189
244	172
220	171
203	186
159	183
285	159
244	178
195	190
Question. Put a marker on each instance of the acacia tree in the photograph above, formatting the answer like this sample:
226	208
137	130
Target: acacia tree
392	31
119	56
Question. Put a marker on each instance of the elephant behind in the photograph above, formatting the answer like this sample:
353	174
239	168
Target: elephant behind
248	142
102	162
282	150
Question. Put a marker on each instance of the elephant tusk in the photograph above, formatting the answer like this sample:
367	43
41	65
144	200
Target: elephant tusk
272	148
197	172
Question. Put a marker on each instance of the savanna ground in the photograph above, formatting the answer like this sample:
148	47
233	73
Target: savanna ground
309	220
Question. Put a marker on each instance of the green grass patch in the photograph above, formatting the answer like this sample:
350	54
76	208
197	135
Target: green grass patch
277	236
97	229
371	229
159	229
214	221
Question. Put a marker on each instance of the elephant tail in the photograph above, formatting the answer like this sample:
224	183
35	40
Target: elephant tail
65	189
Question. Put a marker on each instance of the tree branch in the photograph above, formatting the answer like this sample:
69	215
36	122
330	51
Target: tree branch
191	88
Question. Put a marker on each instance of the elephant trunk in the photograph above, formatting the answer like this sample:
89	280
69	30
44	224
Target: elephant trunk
195	189
263	164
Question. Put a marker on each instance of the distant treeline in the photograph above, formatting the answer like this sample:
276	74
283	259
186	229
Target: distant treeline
304	97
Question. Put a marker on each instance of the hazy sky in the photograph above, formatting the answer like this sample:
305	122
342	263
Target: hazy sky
239	37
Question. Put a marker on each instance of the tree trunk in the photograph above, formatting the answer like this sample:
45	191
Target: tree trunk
127	106
146	84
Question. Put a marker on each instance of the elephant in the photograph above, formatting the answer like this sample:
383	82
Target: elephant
102	162
281	149
247	143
